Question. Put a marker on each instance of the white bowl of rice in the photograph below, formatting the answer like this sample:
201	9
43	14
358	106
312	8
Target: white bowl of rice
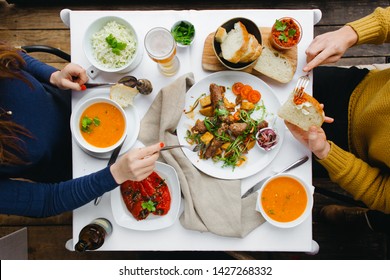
111	45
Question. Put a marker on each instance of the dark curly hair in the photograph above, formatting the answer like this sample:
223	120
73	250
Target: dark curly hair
10	143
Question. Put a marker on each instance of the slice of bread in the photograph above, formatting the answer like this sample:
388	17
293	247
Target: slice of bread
221	34
304	115
123	95
274	65
235	43
253	51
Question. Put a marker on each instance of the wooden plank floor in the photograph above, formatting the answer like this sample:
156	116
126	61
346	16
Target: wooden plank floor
36	22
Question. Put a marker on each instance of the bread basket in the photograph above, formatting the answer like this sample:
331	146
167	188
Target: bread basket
251	27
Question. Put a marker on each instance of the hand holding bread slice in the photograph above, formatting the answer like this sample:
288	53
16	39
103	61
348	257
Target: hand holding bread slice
303	111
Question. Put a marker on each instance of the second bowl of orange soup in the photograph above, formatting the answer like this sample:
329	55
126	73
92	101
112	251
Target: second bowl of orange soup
99	125
285	200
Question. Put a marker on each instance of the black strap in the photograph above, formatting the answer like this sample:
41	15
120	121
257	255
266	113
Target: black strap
47	49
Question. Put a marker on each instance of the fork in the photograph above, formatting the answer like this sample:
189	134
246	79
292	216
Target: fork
258	185
193	149
302	83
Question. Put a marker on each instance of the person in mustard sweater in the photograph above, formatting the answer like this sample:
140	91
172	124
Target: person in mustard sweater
354	150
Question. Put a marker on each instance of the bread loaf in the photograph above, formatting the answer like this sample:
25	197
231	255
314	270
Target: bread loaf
274	65
123	95
303	112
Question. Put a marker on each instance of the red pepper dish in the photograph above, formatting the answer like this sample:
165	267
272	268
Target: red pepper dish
150	195
285	33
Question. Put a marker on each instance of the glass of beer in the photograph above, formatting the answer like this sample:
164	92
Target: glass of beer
161	48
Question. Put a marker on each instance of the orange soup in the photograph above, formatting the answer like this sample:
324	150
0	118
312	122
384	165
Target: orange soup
102	124
284	199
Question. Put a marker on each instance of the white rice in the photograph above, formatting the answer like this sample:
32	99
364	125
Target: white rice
102	50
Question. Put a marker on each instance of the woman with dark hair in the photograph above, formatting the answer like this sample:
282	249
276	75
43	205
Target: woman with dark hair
358	156
35	141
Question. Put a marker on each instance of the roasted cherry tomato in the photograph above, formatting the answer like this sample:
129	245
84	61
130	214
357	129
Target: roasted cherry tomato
245	90
236	88
254	96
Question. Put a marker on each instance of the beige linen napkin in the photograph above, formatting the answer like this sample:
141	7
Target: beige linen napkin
210	204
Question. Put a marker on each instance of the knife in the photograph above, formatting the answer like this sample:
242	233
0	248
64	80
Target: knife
111	161
258	185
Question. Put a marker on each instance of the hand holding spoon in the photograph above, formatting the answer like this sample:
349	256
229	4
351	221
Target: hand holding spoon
144	86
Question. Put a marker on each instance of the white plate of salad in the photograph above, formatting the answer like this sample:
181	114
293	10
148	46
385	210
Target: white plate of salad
254	159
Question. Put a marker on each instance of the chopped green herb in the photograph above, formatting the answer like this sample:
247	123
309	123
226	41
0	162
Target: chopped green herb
280	26
116	46
87	122
291	32
221	112
149	205
183	33
283	37
96	121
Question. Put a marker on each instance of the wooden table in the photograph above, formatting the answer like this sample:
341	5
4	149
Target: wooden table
176	238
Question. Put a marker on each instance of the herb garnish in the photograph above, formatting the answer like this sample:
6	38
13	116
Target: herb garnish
87	122
183	33
281	26
149	205
221	112
115	45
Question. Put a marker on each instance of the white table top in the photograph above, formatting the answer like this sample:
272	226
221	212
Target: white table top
176	238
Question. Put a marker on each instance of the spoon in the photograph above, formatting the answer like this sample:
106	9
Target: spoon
258	185
193	149
144	86
130	81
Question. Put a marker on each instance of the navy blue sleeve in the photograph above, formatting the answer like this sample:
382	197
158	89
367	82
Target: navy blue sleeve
38	69
43	199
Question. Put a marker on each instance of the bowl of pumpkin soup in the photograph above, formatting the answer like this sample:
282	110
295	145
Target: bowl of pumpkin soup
98	125
285	200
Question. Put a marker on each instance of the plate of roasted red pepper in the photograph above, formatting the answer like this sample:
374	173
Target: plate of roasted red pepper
150	204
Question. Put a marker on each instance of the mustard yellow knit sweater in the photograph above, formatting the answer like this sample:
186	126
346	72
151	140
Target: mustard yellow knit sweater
365	170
